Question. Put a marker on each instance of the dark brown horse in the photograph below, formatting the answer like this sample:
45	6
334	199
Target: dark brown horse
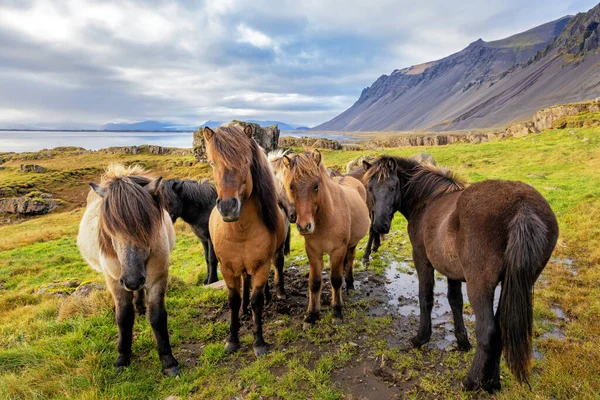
247	226
490	232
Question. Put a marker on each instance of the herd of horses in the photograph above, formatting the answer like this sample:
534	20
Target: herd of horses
484	234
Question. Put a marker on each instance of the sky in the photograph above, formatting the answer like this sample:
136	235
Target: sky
82	63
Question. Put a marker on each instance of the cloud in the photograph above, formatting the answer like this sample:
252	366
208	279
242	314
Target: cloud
82	63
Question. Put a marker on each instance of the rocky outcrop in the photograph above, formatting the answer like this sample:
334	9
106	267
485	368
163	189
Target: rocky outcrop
267	137
357	162
543	119
145	148
32	204
32	168
423	158
433	140
521	129
316	143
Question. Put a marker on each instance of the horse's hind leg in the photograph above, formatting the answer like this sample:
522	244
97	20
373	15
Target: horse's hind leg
279	260
485	370
259	281
125	315
158	320
349	267
140	301
425	273
455	299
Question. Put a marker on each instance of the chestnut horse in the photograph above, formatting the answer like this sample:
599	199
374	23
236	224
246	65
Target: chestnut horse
332	215
247	227
490	232
127	235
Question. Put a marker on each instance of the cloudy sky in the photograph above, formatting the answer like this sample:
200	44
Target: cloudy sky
83	63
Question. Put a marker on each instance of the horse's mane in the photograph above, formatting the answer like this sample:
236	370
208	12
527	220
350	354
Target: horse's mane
421	182
304	166
202	193
128	211
237	151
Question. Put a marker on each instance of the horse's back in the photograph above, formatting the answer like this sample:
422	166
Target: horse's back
355	197
350	182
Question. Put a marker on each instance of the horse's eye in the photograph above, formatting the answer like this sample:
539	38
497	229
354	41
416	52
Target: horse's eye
292	188
392	189
316	188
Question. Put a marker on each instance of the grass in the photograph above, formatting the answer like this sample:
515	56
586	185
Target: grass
63	347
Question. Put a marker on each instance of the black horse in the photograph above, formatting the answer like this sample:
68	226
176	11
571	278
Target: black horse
490	232
193	202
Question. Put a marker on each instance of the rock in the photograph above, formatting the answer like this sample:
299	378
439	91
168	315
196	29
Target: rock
318	143
357	162
86	289
60	289
545	118
145	148
28	205
521	129
267	137
32	168
423	158
218	285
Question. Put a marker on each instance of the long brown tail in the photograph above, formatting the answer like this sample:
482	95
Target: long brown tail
523	258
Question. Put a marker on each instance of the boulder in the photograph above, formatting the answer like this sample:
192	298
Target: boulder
357	162
32	168
521	129
146	148
86	289
29	205
315	143
423	158
267	137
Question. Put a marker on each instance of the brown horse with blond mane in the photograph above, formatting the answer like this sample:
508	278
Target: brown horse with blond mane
247	226
332	216
126	234
490	232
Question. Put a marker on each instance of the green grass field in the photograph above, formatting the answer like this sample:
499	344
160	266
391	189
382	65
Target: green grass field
64	347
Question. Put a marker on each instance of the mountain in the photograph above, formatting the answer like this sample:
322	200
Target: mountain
488	84
143	126
282	125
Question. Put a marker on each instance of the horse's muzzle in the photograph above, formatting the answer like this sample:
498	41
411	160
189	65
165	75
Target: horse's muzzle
131	285
229	209
307	229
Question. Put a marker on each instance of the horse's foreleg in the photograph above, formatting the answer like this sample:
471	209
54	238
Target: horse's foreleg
314	287
485	370
235	300
337	260
140	301
455	299
158	320
349	267
212	262
246	280
259	281
207	260
367	255
124	315
279	260
376	241
425	273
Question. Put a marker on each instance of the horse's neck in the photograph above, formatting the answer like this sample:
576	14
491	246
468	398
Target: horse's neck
331	191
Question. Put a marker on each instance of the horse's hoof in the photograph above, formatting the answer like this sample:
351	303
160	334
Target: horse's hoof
260	351
349	287
464	346
173	371
365	261
122	361
417	341
231	347
281	296
307	325
337	321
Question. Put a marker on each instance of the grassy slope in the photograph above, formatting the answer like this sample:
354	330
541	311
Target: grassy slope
56	347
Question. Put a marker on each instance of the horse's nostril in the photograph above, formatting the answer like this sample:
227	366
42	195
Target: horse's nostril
218	201
308	226
121	282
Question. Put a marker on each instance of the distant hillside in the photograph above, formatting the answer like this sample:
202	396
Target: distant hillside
282	125
488	84
144	126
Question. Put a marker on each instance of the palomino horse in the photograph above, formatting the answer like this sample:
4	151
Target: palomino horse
333	217
127	235
247	226
493	231
193	202
276	162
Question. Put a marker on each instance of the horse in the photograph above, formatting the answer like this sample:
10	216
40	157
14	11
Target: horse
247	226
275	159
490	232
332	215
127	235
193	202
374	241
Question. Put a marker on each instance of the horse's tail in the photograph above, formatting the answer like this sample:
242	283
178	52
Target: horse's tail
523	260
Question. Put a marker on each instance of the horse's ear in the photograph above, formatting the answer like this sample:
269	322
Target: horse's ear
100	190
316	155
248	131
153	186
208	133
366	165
391	164
287	162
178	186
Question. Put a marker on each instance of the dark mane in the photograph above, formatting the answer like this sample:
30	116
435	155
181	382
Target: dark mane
128	212
420	182
237	151
202	193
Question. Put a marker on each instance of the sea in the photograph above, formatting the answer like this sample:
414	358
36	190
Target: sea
24	141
